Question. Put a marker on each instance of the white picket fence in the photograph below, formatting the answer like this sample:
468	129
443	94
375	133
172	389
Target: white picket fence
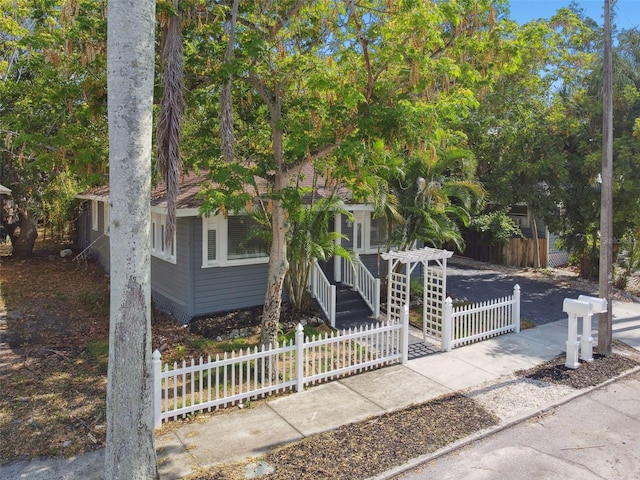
180	390
471	323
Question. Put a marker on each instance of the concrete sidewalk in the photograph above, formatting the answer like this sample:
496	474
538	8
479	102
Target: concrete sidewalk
244	433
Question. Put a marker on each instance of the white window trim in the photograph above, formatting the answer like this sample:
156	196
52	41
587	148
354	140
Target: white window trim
94	215
219	223
156	241
107	217
365	217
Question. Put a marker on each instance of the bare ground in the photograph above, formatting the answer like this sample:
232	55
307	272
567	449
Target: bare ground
53	352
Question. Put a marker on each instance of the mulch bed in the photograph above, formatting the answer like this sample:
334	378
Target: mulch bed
372	446
221	324
588	374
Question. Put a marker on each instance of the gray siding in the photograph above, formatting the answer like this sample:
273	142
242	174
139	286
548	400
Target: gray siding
378	270
171	283
219	289
102	245
96	238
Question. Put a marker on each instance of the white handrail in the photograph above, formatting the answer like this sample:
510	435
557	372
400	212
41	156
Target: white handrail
356	275
322	290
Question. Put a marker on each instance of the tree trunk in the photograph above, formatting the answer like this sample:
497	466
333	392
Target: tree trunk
130	452
278	266
278	263
23	237
536	242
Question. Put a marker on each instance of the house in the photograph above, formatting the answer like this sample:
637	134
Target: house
209	266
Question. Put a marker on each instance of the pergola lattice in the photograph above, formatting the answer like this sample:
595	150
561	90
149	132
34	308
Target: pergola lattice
400	266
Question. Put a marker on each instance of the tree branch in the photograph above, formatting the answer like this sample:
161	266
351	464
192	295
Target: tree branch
264	92
364	43
227	135
282	21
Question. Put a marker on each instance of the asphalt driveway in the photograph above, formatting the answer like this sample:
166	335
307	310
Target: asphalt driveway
540	301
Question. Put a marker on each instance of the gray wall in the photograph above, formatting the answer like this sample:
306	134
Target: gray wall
86	235
185	289
220	289
171	284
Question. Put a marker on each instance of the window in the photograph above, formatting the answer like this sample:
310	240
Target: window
357	235
520	215
211	227
158	247
242	239
232	241
378	234
212	246
367	233
94	215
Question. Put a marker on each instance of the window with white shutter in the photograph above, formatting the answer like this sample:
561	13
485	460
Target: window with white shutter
158	247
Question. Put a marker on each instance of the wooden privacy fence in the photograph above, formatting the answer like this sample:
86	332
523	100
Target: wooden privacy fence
474	322
519	252
180	390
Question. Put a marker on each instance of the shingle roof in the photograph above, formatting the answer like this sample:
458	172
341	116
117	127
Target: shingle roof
192	183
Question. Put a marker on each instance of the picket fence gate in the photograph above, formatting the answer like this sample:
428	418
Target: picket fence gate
478	321
181	390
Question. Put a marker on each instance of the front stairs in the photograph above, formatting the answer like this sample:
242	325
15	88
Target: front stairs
351	310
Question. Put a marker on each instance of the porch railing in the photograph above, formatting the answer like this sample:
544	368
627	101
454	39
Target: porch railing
356	275
325	293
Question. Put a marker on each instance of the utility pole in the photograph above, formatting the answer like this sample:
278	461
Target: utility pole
605	327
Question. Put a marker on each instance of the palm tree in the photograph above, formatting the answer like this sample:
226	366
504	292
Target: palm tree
311	239
436	195
169	131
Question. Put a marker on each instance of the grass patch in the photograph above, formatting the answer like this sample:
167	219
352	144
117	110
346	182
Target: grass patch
99	352
95	302
525	323
235	344
204	344
308	332
415	316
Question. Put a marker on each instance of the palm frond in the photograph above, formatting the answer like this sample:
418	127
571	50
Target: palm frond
169	134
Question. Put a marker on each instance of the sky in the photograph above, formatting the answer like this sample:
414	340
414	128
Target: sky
627	12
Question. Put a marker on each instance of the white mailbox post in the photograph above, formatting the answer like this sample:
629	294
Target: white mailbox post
598	305
574	309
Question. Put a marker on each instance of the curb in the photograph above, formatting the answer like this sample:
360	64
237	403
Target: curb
474	437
